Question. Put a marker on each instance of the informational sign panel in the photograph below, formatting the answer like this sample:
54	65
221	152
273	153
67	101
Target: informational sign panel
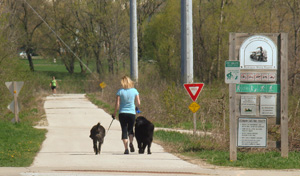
232	72
258	52
257	88
264	75
248	105
268	104
252	132
258	77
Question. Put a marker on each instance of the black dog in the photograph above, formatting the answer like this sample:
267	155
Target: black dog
143	133
97	134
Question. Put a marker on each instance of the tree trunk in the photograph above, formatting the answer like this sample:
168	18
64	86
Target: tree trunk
31	66
220	39
295	62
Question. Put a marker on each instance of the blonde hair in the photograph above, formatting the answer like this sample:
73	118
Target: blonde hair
126	82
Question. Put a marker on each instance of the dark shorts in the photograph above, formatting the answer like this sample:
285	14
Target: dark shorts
127	122
53	87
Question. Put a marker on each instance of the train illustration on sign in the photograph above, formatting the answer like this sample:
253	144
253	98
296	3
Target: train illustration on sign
260	55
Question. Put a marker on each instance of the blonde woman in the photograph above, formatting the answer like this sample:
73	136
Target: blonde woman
125	102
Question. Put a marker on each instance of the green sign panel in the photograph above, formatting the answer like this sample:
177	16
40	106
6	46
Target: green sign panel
232	63
257	88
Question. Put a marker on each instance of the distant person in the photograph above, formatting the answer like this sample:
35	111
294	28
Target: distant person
53	85
125	102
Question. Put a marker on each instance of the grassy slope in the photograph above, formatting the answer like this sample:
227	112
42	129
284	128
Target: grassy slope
20	142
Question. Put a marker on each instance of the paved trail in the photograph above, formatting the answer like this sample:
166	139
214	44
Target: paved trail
68	151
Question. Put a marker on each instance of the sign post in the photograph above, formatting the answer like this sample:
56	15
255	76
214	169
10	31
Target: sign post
194	90
258	90
102	85
14	88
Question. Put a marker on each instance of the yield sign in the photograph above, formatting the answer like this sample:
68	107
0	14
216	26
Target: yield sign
194	89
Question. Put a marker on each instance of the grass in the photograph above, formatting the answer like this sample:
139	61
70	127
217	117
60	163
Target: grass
267	160
202	149
19	144
46	65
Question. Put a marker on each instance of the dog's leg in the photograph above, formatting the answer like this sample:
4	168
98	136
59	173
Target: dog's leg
95	146
99	148
140	147
144	145
149	146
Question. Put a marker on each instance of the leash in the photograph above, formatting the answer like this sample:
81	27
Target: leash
113	118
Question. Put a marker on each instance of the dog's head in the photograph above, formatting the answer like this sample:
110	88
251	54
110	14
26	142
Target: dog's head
95	129
98	125
140	120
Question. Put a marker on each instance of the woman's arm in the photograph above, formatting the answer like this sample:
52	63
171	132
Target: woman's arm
117	105
138	102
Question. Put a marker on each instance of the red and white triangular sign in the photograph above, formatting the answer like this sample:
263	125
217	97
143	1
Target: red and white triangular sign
194	89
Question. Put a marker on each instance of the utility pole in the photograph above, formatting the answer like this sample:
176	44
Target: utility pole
187	42
133	42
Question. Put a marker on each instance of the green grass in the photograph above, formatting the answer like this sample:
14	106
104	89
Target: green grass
202	148
19	144
267	160
47	65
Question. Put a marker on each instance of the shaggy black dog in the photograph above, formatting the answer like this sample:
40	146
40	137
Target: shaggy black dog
97	134
143	133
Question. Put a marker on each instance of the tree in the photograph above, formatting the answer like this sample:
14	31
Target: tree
7	35
29	23
294	6
146	10
162	41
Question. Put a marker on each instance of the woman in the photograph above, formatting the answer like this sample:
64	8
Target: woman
125	102
53	85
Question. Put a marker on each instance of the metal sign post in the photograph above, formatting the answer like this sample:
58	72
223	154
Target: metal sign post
14	88
194	107
194	90
102	85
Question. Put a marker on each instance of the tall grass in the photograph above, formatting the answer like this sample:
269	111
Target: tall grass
166	103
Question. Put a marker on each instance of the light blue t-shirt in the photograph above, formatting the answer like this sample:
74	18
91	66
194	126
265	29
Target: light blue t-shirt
127	100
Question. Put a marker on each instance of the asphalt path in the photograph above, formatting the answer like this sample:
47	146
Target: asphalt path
68	150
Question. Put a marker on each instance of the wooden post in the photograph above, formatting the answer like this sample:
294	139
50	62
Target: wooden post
284	94
232	111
